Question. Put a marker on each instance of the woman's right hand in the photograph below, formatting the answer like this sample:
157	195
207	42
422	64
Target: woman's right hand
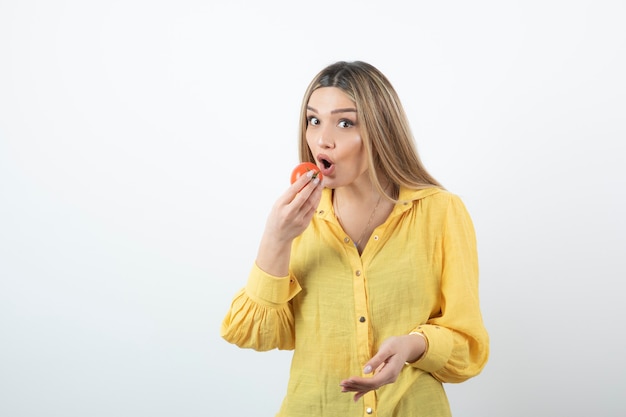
293	211
288	218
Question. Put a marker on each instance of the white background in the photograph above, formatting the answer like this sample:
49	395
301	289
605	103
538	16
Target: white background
142	144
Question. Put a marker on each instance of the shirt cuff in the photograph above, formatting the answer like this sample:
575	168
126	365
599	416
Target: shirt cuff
271	290
440	343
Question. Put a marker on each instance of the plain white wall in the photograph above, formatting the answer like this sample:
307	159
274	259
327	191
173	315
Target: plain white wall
142	144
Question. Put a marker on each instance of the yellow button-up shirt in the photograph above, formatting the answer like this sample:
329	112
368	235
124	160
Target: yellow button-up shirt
418	272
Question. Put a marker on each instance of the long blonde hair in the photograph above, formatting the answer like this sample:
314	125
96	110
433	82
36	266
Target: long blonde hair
385	130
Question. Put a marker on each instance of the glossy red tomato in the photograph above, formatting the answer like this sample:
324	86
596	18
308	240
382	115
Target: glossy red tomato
304	167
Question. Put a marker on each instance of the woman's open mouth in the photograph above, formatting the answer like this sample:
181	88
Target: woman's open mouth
326	164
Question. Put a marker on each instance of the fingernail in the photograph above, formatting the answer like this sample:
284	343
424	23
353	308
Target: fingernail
367	369
310	173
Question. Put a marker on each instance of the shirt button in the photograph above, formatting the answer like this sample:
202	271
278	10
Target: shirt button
369	410
358	273
346	239
376	237
321	212
362	319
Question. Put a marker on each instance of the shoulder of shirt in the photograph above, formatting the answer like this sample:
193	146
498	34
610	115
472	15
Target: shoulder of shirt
408	195
407	198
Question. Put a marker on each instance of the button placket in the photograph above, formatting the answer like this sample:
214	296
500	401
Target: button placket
361	314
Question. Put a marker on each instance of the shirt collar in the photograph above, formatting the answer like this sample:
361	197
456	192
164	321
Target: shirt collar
406	198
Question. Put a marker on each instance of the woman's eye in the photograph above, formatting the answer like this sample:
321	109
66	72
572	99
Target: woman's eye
345	123
313	120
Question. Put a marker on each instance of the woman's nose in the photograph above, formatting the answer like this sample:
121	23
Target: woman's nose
324	140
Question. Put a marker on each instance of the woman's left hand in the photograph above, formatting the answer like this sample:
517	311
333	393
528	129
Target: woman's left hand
386	364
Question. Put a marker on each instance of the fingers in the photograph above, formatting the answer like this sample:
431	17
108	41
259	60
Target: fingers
302	187
307	198
293	210
364	384
376	363
356	384
358	396
359	387
386	366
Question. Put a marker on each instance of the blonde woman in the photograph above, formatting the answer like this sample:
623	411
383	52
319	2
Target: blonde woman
369	275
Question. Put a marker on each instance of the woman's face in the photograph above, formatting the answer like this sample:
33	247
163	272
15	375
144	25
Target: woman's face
333	136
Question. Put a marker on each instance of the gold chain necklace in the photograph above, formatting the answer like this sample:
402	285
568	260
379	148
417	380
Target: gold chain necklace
369	221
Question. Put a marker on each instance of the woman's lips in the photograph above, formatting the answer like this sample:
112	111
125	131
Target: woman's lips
325	164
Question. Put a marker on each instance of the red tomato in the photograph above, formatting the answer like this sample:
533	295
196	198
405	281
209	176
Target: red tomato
304	167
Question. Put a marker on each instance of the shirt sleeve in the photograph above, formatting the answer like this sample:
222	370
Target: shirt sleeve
260	315
458	343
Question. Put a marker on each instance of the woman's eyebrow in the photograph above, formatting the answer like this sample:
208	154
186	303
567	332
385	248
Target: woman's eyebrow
346	110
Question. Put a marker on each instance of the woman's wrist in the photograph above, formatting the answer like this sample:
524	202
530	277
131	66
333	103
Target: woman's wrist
421	346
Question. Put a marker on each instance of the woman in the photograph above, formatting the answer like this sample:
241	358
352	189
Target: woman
370	275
